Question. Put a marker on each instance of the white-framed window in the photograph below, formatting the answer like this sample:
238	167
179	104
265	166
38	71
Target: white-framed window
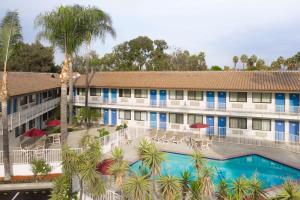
31	124
125	114
239	123
140	93
192	119
45	116
140	115
81	91
261	97
95	91
195	95
261	124
125	93
31	98
176	94
22	129
238	96
176	118
45	95
50	94
23	100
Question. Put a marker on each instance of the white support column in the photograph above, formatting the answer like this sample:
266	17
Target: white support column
185	120
287	102
216	124
286	130
216	100
249	127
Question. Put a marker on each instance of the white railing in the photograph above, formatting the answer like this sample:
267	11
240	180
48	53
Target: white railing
112	140
222	106
280	109
210	105
21	117
26	156
294	109
109	195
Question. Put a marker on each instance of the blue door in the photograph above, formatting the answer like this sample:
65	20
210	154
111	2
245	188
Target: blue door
105	95
153	97
210	122
106	117
222	126
163	121
294	103
279	130
162	97
210	99
294	131
279	102
74	92
8	106
222	100
16	104
153	120
113	117
114	95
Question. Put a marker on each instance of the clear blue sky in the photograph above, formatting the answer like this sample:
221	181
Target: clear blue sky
220	28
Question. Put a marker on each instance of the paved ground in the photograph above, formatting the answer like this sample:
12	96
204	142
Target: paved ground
25	195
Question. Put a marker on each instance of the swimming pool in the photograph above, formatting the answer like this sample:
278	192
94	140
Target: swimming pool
271	173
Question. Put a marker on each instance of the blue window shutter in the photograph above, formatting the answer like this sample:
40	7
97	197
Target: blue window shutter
15	108
8	106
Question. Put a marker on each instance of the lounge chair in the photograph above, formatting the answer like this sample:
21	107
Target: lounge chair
153	134
160	136
178	139
169	136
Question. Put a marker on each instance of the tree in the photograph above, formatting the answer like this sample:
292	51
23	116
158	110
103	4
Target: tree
185	180
10	35
89	115
255	187
244	60
33	58
169	187
216	68
289	192
61	188
260	64
63	28
207	185
199	161
281	61
223	190
235	60
196	190
137	187
240	188
40	168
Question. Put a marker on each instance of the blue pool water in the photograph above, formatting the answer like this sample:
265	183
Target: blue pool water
271	173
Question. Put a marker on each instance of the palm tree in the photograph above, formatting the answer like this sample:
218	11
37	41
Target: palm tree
235	60
223	190
255	187
61	188
10	35
196	190
137	187
63	28
88	115
244	59
281	61
289	192
240	188
152	158
198	160
185	180
207	185
169	187
97	25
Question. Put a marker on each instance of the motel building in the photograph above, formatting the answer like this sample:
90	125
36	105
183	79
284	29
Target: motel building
260	105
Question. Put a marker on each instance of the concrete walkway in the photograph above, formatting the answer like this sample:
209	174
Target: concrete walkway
26	186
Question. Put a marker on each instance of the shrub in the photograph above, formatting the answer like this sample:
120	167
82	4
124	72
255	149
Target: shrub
40	168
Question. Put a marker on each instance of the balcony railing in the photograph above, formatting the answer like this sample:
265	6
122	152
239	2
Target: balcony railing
210	105
294	109
21	117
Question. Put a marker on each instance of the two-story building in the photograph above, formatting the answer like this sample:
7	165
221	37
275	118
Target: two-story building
32	99
261	105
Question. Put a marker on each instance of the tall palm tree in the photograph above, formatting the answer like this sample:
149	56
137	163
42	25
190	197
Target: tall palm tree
235	60
169	187
196	190
63	28
152	158
223	190
289	192
199	161
137	187
244	59
240	188
255	188
10	35
185	180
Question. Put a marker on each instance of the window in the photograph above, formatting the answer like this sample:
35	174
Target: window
140	115
192	119
195	95
50	94
95	92
176	94
45	116
23	100
125	114
261	97
176	118
31	98
45	95
238	96
22	129
125	93
81	91
138	93
261	124
240	123
31	124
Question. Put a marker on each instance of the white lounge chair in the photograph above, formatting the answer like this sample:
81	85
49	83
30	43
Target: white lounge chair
178	139
169	136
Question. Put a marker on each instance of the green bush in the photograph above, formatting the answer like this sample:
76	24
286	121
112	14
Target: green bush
103	132
40	168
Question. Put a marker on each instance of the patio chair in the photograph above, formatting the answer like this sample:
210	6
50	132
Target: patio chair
160	136
205	144
179	138
169	136
153	134
127	139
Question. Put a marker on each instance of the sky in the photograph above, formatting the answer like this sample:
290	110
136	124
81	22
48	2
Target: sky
220	28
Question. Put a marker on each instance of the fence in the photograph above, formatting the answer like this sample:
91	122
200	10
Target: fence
26	156
109	195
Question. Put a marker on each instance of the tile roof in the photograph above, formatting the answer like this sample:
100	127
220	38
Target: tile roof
30	82
201	80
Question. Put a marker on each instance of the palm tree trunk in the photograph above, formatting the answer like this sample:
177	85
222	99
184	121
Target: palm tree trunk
71	95
6	156
63	113
81	189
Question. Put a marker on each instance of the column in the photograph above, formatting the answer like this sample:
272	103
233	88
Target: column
286	130
287	102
